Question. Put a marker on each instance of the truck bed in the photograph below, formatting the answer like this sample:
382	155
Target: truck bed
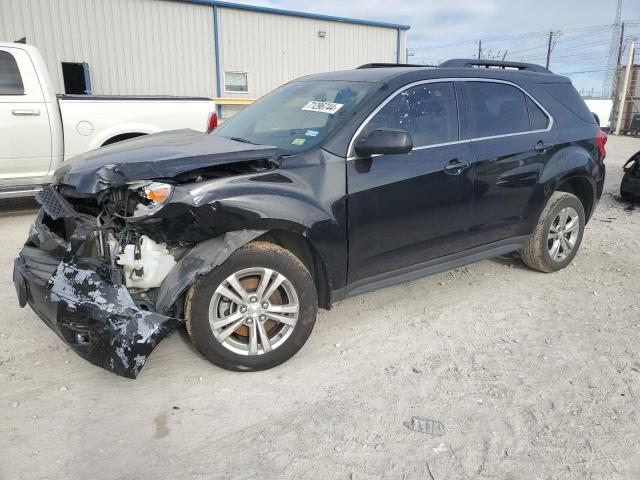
133	98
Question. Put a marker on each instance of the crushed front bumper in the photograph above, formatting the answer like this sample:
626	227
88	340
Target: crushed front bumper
95	317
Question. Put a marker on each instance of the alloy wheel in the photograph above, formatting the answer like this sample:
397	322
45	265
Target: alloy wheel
563	234
254	311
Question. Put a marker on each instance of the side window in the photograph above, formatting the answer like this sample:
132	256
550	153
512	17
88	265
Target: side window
77	80
427	112
10	79
496	109
539	119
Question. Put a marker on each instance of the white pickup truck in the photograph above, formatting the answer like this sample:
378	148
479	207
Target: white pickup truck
39	129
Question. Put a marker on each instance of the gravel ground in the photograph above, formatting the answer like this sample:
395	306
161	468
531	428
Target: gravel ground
530	375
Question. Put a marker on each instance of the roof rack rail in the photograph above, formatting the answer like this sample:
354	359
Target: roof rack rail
471	63
389	65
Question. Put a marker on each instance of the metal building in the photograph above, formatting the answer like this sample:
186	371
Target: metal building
631	108
191	47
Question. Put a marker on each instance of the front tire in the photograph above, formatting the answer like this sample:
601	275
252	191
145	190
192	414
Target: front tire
558	234
253	312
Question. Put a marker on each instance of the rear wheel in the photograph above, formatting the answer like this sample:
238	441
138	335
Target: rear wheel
558	234
254	311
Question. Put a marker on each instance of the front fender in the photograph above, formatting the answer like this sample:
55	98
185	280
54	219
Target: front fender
200	260
305	198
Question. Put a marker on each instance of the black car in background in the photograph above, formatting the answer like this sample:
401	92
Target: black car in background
332	185
630	185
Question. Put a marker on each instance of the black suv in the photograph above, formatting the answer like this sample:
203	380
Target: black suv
332	185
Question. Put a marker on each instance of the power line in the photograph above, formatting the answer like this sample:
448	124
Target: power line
584	71
581	52
573	54
525	35
586	31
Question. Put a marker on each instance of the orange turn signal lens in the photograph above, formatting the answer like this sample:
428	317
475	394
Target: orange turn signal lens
157	192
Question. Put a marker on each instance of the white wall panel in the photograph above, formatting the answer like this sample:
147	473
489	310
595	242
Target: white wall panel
403	47
138	47
133	47
275	49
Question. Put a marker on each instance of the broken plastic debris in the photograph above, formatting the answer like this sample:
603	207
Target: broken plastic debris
423	425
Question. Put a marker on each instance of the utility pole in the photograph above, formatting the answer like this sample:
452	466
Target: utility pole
480	50
625	87
614	54
620	45
549	48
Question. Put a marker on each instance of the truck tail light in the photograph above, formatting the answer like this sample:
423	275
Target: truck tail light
212	123
601	139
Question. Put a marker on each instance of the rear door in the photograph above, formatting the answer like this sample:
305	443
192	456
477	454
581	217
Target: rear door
512	141
408	208
25	142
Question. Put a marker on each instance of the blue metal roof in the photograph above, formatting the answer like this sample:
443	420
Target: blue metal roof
292	13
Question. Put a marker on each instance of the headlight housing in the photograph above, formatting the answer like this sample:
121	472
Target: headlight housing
152	197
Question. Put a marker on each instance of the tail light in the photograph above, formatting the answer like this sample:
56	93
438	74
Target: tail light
212	123
601	139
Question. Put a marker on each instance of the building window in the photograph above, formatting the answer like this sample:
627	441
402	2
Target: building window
76	78
235	82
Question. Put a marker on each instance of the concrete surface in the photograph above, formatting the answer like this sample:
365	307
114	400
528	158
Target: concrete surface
532	375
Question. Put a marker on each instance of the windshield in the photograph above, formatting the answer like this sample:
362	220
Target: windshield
297	116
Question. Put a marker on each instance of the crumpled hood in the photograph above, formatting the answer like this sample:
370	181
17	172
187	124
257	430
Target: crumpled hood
161	155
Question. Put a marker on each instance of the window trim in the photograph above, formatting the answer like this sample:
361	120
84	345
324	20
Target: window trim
350	150
246	74
541	109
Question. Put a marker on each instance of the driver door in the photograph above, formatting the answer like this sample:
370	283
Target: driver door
405	209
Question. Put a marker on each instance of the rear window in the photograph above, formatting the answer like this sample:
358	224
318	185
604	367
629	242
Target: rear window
565	94
539	119
496	109
10	79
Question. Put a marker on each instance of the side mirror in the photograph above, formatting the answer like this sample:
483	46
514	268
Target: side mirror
384	141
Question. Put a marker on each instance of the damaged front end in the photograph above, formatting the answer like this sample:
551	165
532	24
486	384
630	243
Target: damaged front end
104	269
68	273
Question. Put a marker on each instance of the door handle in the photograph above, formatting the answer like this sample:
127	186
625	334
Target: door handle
456	167
26	113
543	147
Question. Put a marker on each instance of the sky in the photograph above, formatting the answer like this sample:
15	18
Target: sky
451	29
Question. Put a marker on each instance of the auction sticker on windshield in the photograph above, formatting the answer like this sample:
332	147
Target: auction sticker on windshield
323	107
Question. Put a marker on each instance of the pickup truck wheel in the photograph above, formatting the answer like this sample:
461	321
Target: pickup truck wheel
558	234
253	312
122	137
